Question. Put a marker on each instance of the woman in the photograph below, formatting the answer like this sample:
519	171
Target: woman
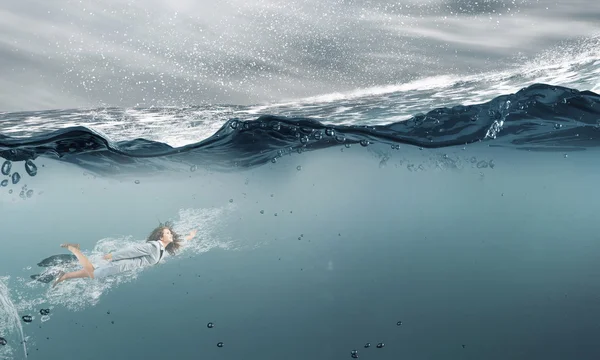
149	253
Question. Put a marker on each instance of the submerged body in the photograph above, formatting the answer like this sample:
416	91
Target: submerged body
162	239
132	258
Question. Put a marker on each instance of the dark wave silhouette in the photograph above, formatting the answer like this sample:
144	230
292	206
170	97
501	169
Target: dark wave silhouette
540	117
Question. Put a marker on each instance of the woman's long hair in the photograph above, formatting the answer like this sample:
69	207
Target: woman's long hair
157	233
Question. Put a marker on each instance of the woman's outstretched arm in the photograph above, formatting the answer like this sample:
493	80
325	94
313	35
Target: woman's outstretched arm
190	236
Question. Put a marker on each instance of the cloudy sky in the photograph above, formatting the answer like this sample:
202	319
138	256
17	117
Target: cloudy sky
67	53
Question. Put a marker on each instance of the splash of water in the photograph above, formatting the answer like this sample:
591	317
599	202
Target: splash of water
9	316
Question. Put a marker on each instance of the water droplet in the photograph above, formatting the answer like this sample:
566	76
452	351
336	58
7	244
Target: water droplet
210	325
6	166
4	183
364	142
262	211
193	168
482	164
30	168
367	345
3	341
380	345
27	318
16	178
137	182
220	344
329	132
298	167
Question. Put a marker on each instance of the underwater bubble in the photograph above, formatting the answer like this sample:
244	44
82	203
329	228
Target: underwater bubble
230	200
16	178
329	132
220	344
399	323
354	356
364	143
137	182
27	318
276	126
340	138
354	352
246	125
234	124
30	168
318	135
22	194
3	341
10	191
473	160
482	164
566	156
492	164
304	139
557	126
4	183
210	325
275	214
298	167
367	345
274	160
262	211
44	311
193	168
6	166
380	345
347	146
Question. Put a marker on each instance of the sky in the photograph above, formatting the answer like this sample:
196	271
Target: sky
78	54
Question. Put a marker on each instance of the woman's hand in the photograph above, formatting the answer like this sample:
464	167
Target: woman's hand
191	235
107	257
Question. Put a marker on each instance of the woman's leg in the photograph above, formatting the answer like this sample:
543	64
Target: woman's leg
87	265
70	275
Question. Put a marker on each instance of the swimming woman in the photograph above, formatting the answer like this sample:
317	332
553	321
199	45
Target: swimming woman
162	239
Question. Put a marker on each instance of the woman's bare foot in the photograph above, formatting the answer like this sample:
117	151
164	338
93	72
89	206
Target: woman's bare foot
59	278
68	245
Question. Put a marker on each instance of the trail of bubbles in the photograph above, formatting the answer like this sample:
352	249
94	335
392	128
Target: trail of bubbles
10	320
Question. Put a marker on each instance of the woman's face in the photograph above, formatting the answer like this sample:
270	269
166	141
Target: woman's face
167	236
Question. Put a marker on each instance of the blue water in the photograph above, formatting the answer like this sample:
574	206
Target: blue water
420	175
473	226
